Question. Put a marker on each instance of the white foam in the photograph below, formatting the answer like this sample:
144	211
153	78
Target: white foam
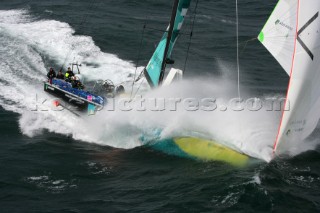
57	40
256	179
251	132
26	42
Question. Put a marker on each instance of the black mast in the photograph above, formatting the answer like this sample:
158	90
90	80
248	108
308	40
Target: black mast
173	17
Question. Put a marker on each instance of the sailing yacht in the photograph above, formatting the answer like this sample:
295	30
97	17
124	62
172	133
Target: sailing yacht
155	72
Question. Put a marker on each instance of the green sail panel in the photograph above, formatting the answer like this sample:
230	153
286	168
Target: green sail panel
155	65
153	69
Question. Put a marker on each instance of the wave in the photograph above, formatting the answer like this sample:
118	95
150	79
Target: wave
29	45
28	48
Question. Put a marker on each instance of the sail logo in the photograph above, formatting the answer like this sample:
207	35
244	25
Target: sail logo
304	46
283	24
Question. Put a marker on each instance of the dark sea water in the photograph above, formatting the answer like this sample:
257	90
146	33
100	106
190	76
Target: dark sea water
52	162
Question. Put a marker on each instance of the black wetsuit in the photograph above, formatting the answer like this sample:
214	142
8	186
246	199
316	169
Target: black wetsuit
60	76
51	74
77	84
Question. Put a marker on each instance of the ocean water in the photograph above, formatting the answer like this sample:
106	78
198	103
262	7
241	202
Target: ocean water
56	162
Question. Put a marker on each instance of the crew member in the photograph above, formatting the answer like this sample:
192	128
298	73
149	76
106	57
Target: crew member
80	85
60	75
51	74
68	75
76	83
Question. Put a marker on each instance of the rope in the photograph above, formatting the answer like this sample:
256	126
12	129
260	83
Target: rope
138	58
246	43
238	62
137	89
191	34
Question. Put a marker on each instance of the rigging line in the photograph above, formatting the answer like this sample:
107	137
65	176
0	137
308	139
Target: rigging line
138	58
246	43
238	68
139	76
191	34
138	89
238	63
141	73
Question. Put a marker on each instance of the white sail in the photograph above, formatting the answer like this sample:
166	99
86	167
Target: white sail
299	55
278	35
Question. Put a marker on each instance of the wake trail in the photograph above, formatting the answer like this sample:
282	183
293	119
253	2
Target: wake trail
28	45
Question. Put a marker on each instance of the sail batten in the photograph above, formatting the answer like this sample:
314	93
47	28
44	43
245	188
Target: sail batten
292	38
154	71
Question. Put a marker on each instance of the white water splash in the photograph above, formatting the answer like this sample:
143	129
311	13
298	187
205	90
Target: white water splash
26	43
